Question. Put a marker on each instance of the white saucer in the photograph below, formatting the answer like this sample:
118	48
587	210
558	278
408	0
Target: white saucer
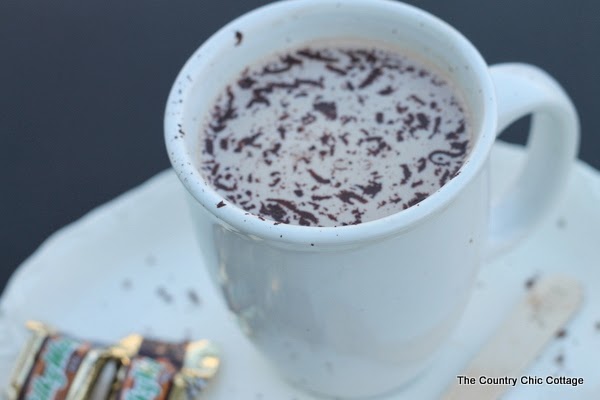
132	265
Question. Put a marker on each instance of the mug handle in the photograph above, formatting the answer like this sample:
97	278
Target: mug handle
553	142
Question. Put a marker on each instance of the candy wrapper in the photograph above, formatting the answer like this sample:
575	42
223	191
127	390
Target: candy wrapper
169	371
55	366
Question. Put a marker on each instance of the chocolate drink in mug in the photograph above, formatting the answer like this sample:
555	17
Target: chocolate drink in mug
334	133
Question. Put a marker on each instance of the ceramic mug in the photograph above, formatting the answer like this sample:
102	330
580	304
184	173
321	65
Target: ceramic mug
359	310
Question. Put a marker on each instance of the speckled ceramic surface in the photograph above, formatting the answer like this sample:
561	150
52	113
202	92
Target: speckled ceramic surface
133	265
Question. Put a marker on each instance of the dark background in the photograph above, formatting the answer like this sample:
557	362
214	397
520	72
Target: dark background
83	86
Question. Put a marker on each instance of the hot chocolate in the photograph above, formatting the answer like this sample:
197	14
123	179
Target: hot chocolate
334	134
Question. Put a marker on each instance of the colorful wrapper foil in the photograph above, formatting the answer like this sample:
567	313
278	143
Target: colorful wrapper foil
54	366
165	371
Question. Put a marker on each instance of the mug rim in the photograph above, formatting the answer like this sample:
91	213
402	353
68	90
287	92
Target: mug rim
235	217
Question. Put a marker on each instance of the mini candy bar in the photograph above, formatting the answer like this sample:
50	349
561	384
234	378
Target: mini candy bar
147	378
164	371
54	366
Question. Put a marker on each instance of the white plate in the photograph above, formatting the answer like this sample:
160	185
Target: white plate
132	265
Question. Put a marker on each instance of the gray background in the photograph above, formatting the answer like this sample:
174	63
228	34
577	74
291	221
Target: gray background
83	86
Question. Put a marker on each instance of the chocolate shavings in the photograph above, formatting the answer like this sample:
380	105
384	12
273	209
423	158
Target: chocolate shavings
328	109
238	38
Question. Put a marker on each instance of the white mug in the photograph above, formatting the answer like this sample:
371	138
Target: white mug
359	310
